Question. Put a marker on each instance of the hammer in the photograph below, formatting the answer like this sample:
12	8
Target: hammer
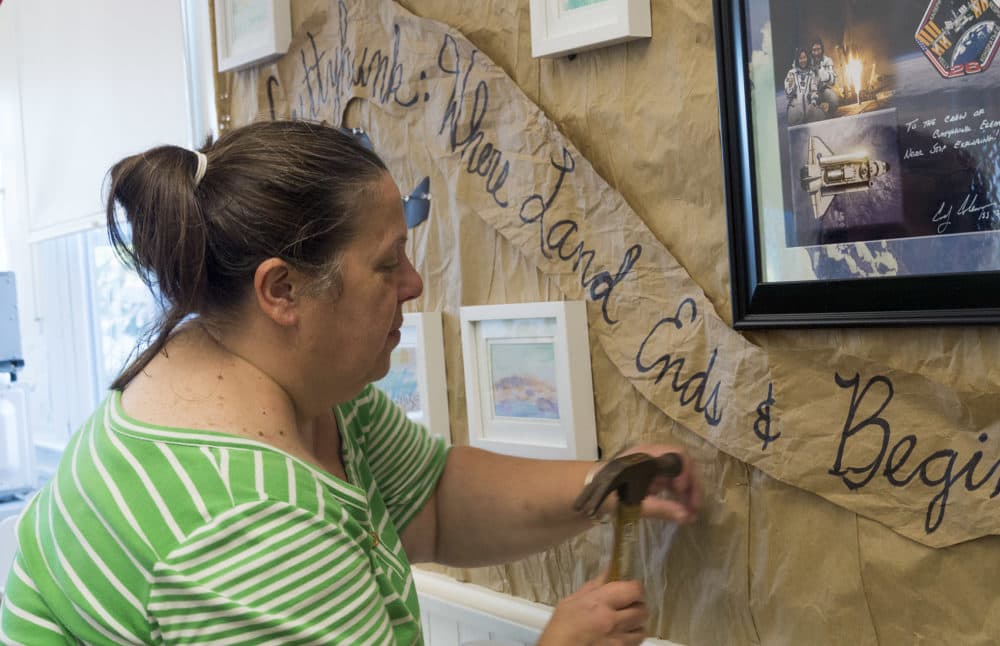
630	476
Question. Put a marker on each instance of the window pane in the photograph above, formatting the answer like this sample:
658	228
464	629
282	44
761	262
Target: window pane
59	387
122	309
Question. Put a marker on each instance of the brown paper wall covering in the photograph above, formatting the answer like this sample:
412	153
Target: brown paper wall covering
599	178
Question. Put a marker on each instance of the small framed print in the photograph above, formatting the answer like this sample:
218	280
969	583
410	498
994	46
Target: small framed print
563	27
251	32
527	380
416	379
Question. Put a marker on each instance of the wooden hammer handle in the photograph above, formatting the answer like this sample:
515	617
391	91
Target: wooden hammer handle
623	554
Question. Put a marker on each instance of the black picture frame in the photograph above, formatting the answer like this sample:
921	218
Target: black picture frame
921	298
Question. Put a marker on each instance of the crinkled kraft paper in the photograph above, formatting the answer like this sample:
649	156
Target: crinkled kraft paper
898	429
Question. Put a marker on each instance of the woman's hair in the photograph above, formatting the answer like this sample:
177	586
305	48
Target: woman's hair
798	57
287	189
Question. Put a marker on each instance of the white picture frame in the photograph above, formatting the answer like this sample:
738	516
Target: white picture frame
562	27
416	379
251	32
528	385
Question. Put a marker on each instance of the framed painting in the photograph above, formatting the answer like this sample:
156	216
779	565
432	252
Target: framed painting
416	379
527	379
562	27
861	148
251	32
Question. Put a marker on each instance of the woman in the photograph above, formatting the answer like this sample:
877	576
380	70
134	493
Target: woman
243	482
801	91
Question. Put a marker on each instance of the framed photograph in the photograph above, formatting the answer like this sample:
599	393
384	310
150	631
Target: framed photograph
416	379
561	27
527	380
251	32
861	145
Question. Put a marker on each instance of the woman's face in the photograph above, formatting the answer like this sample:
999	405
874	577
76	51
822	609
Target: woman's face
355	328
803	60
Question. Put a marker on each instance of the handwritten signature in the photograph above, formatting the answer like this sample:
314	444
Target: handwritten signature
968	207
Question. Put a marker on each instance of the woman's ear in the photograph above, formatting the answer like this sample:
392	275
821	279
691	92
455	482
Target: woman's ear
278	290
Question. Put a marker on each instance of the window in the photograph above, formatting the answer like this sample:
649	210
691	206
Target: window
92	312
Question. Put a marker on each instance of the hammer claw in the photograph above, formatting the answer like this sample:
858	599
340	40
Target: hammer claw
629	476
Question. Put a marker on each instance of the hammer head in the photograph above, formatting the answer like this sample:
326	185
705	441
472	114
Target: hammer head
630	476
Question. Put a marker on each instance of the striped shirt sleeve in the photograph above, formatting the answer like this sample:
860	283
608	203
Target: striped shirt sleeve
28	620
406	461
268	573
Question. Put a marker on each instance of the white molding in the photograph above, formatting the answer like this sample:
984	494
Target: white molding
522	612
472	603
89	222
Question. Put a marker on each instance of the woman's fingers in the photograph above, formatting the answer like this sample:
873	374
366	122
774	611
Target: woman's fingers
653	507
622	594
632	618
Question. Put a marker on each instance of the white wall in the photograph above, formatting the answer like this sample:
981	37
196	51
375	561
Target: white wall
99	81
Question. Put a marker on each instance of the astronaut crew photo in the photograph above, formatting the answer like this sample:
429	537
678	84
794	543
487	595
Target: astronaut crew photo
809	85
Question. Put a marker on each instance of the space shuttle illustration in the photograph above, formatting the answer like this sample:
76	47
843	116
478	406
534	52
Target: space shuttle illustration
827	175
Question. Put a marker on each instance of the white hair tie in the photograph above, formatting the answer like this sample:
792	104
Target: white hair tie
202	166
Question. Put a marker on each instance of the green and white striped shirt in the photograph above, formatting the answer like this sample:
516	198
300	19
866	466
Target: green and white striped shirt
160	535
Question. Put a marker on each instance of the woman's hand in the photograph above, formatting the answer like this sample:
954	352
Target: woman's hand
599	614
675	499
